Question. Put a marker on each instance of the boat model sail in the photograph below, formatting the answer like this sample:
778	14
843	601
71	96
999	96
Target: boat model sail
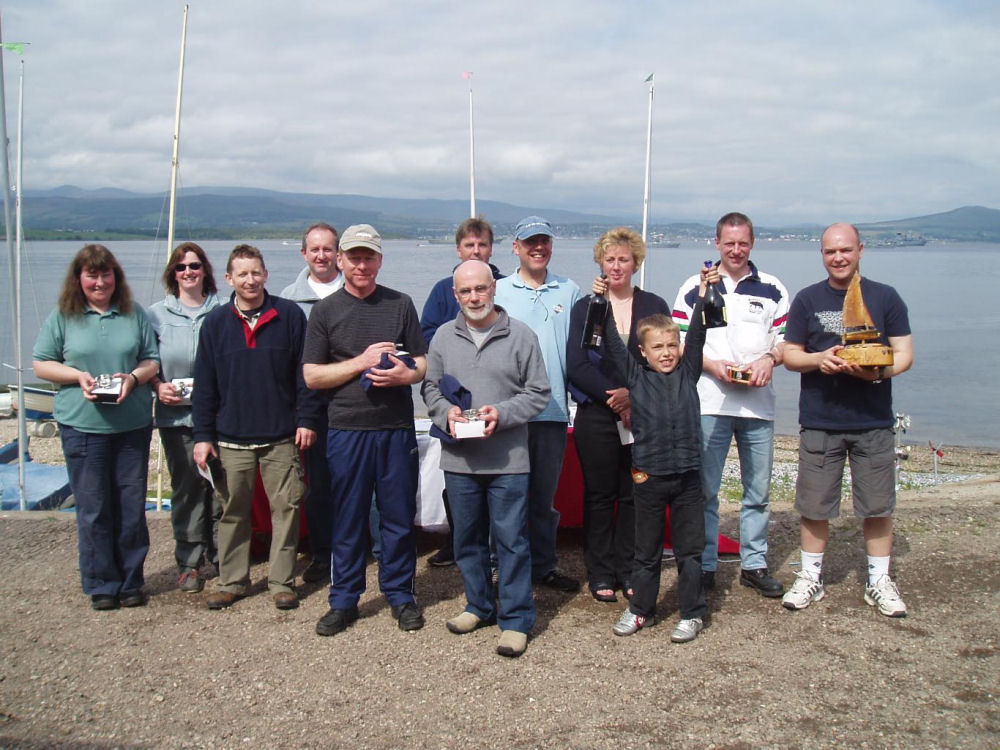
860	337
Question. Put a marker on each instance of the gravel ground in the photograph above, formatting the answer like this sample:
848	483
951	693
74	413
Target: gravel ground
173	674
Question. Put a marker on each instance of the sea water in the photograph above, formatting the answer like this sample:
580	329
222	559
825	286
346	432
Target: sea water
950	289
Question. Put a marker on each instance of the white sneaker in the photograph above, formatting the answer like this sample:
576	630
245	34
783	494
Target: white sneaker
630	623
687	630
803	592
885	594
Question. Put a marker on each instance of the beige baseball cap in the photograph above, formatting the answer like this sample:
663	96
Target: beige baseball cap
361	235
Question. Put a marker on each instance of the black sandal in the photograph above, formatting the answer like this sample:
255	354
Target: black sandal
598	592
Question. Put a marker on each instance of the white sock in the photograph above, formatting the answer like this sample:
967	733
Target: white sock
877	567
812	564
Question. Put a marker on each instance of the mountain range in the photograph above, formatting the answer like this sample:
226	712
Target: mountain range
70	212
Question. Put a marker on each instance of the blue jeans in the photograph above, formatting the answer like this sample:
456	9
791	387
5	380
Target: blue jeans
755	445
107	473
363	461
482	504
546	448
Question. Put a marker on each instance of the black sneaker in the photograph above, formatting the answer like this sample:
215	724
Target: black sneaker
557	581
762	581
708	580
318	570
133	599
103	602
408	616
442	558
336	621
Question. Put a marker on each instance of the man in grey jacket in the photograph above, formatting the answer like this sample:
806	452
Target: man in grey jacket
497	360
318	280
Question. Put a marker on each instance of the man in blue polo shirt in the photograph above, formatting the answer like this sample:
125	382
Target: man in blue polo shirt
543	301
740	407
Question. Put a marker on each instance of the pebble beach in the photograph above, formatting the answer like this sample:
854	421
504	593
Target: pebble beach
174	674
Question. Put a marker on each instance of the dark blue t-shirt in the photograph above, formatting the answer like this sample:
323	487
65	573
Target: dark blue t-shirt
843	402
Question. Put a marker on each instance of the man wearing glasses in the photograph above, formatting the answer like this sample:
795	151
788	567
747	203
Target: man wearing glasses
543	301
364	347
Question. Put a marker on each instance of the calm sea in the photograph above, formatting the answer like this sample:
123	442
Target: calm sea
950	394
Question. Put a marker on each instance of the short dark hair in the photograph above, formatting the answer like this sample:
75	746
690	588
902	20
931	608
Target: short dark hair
244	251
477	226
733	219
327	227
93	258
208	285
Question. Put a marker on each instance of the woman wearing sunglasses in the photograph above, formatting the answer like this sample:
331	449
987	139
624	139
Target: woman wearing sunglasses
194	506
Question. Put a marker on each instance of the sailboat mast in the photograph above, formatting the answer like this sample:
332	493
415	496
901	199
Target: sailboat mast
177	140
645	197
22	427
13	273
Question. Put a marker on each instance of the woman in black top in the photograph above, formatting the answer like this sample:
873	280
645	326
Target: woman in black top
603	405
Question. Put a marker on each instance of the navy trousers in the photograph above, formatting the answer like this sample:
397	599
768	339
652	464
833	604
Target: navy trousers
386	462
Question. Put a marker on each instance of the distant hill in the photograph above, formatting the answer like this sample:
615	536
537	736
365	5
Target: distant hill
967	223
218	212
228	212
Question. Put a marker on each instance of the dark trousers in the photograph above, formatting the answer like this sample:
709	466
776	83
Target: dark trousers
195	508
107	473
682	494
318	502
608	538
363	461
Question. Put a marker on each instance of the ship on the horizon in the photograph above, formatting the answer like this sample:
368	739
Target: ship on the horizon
901	239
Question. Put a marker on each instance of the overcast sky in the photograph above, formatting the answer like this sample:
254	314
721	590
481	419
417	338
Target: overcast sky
789	111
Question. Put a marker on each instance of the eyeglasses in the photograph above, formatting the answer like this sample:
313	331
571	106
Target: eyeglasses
181	267
466	292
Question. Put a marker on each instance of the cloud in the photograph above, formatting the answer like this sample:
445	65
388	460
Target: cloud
794	112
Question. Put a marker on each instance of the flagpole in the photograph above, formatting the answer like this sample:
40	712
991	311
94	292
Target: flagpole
472	151
645	197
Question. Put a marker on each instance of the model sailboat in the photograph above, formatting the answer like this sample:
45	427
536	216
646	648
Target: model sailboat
860	337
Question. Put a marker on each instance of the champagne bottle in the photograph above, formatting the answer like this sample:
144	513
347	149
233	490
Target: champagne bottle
713	308
597	313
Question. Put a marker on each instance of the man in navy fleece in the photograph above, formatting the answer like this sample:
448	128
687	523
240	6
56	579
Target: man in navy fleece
251	407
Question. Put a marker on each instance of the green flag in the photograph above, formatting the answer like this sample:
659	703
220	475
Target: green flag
650	77
15	47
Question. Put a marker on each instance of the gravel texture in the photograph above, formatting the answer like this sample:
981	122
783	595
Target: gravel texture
174	674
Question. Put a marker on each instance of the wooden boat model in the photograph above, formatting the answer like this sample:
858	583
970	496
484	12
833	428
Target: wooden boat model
860	336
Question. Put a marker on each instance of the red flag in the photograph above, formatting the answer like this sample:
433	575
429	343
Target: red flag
467	74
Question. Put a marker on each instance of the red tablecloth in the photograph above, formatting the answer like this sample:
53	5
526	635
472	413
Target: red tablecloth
569	500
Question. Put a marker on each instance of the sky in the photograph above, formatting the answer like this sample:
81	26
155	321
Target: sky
792	112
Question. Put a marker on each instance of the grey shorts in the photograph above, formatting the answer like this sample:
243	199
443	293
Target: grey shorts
872	454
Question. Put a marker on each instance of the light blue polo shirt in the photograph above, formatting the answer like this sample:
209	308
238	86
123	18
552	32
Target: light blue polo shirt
546	311
99	343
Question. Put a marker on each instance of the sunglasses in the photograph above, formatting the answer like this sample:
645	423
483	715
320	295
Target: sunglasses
180	267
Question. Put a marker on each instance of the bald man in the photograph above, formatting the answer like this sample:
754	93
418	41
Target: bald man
845	412
498	360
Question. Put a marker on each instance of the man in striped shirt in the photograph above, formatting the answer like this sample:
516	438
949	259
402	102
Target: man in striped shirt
737	396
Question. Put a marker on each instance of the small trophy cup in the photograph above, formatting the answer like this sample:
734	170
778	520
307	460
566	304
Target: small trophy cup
474	428
860	337
185	387
107	389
